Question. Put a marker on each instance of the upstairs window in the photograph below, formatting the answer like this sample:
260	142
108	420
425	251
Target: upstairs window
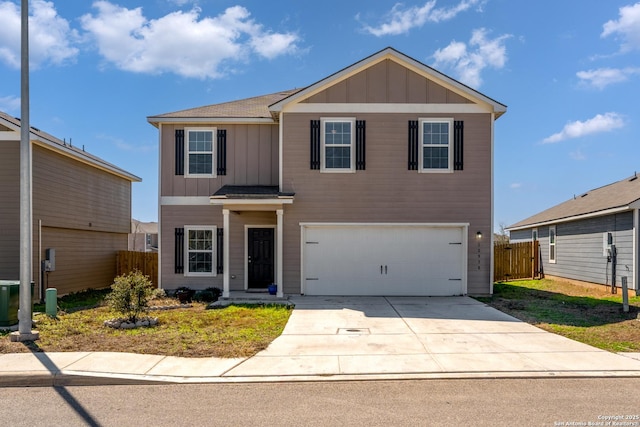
436	143
200	151
337	139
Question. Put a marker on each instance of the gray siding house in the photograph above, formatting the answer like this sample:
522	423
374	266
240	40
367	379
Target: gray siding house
376	180
577	237
81	212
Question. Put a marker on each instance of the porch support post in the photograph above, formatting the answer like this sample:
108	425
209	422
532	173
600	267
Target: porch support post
279	251
225	254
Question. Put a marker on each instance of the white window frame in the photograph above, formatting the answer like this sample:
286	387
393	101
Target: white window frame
214	265
553	245
214	144
352	152
422	145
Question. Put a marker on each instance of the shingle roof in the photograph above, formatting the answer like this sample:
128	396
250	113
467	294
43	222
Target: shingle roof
620	194
66	148
255	108
251	192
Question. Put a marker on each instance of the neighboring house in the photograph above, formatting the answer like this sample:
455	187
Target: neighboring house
143	236
376	180
576	237
81	212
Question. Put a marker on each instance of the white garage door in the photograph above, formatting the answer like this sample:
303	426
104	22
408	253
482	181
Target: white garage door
384	260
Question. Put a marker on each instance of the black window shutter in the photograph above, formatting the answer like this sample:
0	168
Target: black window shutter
361	145
458	144
179	151
220	251
315	144
413	145
179	251
222	152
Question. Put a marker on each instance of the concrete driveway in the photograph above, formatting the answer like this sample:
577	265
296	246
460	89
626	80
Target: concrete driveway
418	337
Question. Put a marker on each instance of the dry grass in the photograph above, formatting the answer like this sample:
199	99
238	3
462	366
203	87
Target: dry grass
235	331
591	315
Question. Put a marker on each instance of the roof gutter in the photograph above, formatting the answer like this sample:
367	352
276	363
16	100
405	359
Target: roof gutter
574	218
155	121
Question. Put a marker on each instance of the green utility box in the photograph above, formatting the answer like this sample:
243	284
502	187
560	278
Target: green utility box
9	302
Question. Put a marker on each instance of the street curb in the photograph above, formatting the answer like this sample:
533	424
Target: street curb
30	379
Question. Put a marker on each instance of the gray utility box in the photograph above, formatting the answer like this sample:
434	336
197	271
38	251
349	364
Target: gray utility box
9	302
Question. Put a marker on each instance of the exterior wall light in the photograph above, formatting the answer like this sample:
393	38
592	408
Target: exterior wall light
479	235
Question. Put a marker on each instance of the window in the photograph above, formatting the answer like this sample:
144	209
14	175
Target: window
534	234
552	244
436	144
200	259
338	145
200	151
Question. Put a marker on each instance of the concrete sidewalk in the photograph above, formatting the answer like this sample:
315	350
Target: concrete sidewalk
351	338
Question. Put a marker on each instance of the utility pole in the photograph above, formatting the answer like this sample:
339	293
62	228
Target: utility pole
26	224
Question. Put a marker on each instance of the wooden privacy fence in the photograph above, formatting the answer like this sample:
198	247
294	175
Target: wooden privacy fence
516	261
145	262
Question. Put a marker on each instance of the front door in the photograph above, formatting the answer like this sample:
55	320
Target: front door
260	261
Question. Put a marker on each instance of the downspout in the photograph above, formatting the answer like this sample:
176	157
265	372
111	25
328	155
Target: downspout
280	150
40	266
159	205
634	246
493	121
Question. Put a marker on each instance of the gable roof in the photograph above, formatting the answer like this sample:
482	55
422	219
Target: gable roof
144	227
616	197
252	109
390	53
62	147
265	108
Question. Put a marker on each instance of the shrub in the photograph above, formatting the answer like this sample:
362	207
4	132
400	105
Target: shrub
208	295
130	294
158	294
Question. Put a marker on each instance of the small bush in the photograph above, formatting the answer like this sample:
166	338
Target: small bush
158	294
130	294
208	295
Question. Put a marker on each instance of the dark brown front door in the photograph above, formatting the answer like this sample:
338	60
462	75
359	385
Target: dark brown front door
261	257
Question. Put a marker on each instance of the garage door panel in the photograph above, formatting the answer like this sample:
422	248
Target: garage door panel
383	260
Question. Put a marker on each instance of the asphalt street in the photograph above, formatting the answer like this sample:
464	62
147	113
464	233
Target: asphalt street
479	402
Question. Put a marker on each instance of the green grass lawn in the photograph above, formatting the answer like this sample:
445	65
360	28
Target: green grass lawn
590	315
235	331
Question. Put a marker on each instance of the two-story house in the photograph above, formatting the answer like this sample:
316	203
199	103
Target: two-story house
81	209
376	180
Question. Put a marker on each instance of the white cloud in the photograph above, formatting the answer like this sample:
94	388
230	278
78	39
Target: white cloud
515	185
9	103
627	28
600	123
400	20
181	42
468	61
50	37
603	77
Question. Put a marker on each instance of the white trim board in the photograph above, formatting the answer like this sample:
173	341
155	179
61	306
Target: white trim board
386	108
184	200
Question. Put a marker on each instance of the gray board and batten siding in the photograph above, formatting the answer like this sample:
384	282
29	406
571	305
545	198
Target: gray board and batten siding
579	248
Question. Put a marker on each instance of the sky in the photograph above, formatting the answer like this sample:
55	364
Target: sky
568	70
